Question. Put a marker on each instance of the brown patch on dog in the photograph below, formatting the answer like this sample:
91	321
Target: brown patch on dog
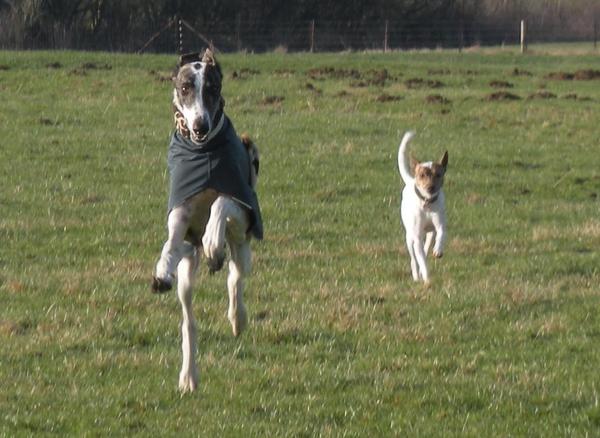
388	98
501	96
430	179
437	98
519	72
500	84
422	83
541	94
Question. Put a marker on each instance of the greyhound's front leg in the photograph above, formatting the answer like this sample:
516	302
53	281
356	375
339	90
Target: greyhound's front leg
172	251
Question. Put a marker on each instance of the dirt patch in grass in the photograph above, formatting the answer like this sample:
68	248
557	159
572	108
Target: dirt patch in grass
586	75
575	96
96	66
4	67
441	71
284	72
501	96
45	121
54	65
437	98
382	98
520	72
541	94
579	75
501	84
244	73
378	77
272	100
314	89
343	93
83	68
423	83
12	328
160	77
322	73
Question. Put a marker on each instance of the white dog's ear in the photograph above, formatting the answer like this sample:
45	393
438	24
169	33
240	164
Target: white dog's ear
444	160
413	162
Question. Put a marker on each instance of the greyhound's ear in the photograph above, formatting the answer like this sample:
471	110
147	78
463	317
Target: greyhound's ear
413	162
209	57
189	57
444	160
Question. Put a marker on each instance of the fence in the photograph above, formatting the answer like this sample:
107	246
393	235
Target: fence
179	34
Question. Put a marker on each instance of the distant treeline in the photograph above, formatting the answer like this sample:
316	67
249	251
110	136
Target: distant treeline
127	25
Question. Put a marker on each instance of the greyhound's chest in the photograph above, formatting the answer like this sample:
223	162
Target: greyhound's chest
199	210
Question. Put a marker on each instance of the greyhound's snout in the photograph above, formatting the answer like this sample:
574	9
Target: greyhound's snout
200	127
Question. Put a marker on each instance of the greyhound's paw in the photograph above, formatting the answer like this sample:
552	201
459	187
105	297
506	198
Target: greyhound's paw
188	381
216	262
160	285
438	254
238	320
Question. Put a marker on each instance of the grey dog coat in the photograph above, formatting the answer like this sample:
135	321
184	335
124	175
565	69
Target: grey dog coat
221	164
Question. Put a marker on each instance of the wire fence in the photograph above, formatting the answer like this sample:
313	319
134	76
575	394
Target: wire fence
180	34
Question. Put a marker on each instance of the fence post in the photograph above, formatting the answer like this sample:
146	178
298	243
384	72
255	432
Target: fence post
385	37
238	25
595	32
180	36
523	37
312	36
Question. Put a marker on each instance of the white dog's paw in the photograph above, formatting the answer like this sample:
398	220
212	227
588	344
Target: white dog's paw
188	381
238	320
438	254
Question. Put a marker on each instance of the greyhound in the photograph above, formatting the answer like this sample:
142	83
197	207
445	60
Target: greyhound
212	201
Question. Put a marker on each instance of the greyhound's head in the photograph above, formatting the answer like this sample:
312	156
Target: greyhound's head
197	94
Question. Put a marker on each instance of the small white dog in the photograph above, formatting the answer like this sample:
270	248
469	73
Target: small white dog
423	207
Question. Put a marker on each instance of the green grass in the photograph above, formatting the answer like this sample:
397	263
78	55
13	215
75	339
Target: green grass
341	342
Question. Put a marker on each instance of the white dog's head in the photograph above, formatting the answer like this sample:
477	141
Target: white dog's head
429	176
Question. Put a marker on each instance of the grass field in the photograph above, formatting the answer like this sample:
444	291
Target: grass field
341	342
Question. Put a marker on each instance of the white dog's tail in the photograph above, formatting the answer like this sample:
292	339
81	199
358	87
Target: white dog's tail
403	161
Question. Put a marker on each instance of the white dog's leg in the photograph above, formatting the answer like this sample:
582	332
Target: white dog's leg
414	267
239	267
186	270
222	212
420	256
440	239
177	225
440	236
